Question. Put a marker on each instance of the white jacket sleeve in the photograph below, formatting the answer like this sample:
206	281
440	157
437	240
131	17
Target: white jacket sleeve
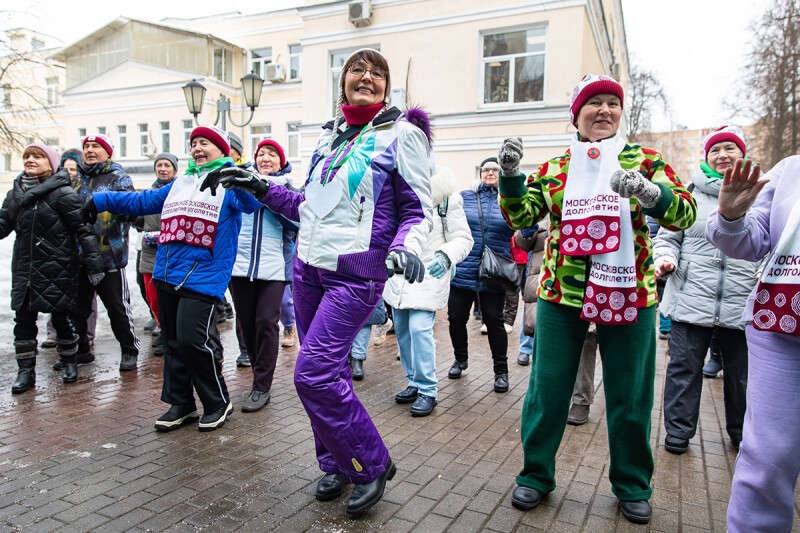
458	236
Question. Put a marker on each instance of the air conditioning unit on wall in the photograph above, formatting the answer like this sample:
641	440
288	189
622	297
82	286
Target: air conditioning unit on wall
359	12
149	150
274	72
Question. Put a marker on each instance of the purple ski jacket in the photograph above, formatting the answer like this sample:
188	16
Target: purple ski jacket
382	201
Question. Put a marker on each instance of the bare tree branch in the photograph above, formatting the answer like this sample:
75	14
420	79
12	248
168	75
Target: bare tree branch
644	95
771	81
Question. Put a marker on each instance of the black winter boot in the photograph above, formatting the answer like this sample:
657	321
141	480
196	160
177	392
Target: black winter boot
67	349
26	376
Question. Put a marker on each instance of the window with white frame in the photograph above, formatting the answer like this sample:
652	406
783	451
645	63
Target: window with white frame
51	142
5	96
259	59
6	162
223	64
293	140
142	137
51	90
513	66
338	58
187	133
165	136
258	133
295	64
122	134
81	134
101	130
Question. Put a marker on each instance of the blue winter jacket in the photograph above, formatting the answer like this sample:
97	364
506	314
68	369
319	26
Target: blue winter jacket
498	236
266	240
202	270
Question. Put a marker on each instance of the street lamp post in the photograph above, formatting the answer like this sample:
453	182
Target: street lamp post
194	92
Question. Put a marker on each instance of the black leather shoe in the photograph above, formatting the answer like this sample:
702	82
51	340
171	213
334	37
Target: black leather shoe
423	405
501	382
357	369
365	495
407	396
128	362
525	498
215	420
177	416
676	445
330	487
455	370
637	512
523	359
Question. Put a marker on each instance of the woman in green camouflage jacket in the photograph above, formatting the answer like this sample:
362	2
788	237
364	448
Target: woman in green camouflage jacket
598	267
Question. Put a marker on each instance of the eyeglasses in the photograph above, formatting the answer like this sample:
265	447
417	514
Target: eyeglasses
490	169
360	70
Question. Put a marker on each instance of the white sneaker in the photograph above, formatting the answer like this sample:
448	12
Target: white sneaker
509	329
380	332
484	329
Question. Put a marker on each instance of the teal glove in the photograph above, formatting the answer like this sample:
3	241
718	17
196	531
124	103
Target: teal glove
440	265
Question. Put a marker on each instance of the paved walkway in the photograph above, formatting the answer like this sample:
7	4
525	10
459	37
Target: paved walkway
85	457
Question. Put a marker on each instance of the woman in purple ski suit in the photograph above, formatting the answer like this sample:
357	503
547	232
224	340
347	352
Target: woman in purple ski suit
363	212
750	226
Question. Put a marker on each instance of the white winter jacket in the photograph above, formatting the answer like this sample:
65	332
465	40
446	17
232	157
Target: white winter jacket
449	234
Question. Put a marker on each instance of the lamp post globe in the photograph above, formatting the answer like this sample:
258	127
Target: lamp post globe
194	92
251	87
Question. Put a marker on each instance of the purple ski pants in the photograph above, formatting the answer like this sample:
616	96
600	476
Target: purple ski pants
762	493
330	310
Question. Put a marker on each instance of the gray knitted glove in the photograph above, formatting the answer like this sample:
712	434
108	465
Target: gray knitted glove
510	155
629	183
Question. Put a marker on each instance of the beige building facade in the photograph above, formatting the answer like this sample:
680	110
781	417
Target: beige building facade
484	69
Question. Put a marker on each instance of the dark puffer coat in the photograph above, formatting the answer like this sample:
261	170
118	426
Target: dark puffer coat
498	236
46	260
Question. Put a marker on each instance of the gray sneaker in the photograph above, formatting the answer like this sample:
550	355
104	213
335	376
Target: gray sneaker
255	401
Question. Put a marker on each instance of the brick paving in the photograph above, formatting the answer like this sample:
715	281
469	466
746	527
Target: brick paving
85	457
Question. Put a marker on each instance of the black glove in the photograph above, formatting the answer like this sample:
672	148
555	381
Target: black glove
409	264
89	212
239	178
211	181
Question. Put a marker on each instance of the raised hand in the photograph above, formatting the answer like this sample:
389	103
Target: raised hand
510	155
631	184
211	181
239	178
739	189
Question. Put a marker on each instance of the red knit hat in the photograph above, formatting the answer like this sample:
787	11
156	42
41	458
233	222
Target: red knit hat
589	86
733	134
102	140
216	135
276	146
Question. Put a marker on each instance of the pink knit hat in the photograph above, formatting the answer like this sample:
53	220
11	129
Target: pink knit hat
733	134
52	155
589	86
216	135
102	140
273	144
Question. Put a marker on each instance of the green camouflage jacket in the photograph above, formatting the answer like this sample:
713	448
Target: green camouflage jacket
563	278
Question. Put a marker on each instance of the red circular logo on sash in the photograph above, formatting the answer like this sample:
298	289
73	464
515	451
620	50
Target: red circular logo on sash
594	153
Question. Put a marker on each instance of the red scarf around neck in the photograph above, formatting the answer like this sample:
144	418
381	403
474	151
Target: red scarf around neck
357	115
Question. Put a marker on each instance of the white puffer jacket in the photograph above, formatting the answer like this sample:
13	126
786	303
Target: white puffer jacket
449	234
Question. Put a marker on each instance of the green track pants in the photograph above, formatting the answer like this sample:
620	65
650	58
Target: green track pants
628	356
